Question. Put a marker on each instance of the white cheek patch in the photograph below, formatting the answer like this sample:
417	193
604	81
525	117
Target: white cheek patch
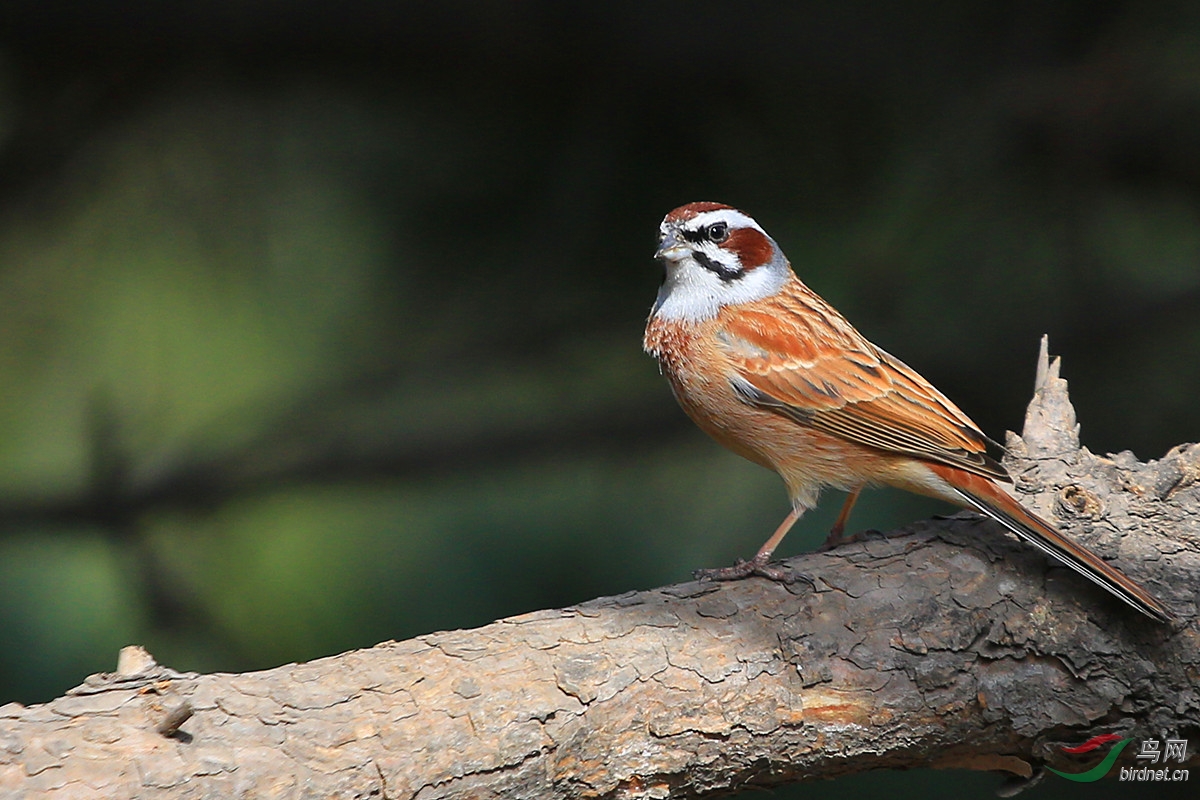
692	293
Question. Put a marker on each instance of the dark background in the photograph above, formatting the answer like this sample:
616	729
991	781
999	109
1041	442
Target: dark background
320	322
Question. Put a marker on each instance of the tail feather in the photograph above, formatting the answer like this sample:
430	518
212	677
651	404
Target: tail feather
984	496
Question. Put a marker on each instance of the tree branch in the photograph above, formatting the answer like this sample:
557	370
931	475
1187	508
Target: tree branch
943	644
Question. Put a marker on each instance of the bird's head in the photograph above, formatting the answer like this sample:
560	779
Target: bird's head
715	256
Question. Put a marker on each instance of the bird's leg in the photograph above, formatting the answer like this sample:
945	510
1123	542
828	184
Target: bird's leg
839	525
764	553
760	564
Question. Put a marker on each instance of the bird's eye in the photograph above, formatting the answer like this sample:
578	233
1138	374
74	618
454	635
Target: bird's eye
718	232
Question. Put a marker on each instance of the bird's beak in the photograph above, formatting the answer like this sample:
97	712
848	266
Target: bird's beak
670	248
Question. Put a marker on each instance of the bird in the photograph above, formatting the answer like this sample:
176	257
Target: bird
773	372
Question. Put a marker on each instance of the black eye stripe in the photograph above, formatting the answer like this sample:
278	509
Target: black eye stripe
717	232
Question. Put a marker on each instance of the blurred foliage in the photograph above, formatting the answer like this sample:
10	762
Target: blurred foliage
320	325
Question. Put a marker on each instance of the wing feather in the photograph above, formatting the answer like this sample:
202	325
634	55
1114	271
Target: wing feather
798	357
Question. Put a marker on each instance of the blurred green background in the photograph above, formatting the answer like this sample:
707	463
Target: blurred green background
320	322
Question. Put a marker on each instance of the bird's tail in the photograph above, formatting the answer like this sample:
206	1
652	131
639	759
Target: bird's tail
986	497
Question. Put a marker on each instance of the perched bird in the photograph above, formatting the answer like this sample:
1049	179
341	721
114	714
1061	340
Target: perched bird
777	375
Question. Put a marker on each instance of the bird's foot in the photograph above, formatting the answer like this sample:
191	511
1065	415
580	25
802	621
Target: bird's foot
837	538
759	565
834	538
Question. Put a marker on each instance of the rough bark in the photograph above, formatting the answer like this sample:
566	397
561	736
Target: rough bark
944	644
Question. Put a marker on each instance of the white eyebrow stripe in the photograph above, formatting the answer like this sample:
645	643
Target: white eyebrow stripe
730	216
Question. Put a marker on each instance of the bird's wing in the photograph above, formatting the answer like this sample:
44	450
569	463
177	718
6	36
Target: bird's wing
795	355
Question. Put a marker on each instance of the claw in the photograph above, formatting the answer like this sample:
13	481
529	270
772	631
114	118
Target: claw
760	565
